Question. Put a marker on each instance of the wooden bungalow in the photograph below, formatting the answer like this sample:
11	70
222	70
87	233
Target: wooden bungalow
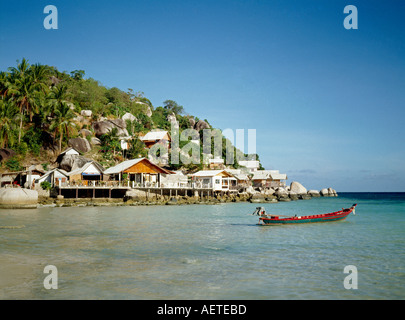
141	171
91	171
268	178
242	178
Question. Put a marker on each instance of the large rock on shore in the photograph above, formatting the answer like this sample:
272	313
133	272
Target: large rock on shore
298	188
332	192
314	193
281	193
324	192
293	195
135	195
18	198
258	198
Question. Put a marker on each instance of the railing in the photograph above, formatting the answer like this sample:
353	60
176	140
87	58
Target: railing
133	184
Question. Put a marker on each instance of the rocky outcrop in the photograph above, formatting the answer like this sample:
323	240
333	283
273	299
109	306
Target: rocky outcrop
314	193
135	195
332	192
85	133
293	195
80	144
200	125
129	116
103	127
18	198
95	141
258	198
148	111
6	154
297	188
86	113
281	193
71	162
173	120
192	122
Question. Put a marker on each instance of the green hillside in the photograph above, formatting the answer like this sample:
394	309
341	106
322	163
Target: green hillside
41	109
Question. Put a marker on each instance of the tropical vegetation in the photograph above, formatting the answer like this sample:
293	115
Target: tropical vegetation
40	108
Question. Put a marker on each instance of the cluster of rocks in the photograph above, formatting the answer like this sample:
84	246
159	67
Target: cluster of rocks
296	191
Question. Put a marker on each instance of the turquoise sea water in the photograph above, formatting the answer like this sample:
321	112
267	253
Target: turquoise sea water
206	251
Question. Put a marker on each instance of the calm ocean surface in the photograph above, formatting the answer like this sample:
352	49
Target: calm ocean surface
206	251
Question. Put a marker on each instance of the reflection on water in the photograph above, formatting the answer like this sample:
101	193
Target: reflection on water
201	252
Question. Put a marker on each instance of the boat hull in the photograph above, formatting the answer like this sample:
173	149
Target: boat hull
328	217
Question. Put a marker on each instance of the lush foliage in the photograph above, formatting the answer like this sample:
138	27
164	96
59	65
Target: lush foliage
40	107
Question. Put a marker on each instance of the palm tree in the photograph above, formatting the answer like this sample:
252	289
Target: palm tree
21	70
7	123
25	96
57	96
23	89
62	122
111	140
39	73
4	83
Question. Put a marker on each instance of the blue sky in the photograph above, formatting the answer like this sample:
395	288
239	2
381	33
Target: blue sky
327	103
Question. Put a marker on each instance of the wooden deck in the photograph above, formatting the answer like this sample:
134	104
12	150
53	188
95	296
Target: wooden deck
119	190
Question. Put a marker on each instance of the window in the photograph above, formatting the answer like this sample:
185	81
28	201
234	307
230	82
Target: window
217	181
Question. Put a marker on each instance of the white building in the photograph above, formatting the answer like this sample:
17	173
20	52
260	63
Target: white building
250	165
217	180
70	150
55	177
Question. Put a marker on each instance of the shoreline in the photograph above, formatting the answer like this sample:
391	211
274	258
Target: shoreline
44	202
18	198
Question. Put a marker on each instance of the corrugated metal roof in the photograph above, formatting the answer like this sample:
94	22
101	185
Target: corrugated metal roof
154	135
88	164
122	166
269	174
129	163
249	163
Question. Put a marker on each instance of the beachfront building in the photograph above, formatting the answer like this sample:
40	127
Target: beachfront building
175	180
268	178
217	180
138	172
25	178
55	177
91	171
250	165
242	178
7	178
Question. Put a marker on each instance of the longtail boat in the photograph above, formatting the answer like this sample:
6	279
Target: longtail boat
270	219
